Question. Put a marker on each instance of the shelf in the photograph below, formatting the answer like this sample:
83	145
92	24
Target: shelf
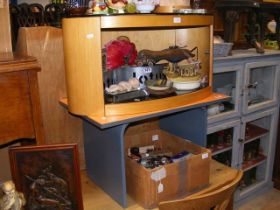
109	121
217	149
254	132
250	187
247	165
154	20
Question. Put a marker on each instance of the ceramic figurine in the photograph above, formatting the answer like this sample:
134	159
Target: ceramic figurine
11	200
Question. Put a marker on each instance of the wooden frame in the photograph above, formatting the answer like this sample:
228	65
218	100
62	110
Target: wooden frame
48	176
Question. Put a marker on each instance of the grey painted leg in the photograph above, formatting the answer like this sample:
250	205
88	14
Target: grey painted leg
190	124
105	162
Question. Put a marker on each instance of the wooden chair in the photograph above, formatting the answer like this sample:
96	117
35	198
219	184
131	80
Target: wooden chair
218	199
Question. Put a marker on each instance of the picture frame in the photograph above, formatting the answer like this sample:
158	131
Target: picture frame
48	176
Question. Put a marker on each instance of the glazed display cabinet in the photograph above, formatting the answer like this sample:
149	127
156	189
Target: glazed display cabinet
250	117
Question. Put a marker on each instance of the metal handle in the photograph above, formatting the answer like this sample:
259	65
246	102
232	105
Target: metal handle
241	140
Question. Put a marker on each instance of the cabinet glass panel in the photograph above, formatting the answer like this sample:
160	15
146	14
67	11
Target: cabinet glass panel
251	178
225	157
225	83
226	80
261	86
148	64
220	141
255	151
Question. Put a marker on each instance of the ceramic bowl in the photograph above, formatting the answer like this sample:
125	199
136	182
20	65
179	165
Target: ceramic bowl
145	6
191	85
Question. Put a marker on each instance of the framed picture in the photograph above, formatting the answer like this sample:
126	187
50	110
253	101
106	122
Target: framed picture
48	176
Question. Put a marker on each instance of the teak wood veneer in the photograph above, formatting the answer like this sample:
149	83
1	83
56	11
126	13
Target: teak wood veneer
84	38
20	111
5	27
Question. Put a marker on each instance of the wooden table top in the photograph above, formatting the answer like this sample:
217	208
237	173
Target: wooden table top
95	198
10	62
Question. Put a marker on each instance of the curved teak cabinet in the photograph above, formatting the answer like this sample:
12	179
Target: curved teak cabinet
84	38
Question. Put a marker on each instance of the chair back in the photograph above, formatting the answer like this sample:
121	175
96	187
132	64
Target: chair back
217	199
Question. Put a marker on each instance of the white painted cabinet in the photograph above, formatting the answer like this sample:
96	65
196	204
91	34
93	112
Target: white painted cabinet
242	131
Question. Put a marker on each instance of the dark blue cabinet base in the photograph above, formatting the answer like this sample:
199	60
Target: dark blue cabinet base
105	155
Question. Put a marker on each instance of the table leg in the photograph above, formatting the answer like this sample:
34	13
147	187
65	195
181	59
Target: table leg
192	126
105	162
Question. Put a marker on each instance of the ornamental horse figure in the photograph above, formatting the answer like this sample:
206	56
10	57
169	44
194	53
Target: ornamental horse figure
173	54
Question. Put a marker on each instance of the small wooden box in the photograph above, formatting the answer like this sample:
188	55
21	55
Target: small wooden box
178	178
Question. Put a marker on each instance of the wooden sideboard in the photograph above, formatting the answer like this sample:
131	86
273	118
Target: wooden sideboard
20	111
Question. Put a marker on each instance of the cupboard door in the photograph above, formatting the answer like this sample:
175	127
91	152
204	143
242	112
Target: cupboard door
222	140
260	85
226	80
256	159
15	108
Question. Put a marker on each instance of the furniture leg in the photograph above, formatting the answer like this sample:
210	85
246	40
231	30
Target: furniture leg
192	126
105	161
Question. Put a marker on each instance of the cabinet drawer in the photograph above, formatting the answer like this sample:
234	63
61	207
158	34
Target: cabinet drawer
15	107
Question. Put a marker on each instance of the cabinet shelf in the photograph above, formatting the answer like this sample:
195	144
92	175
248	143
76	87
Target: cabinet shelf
153	20
254	132
249	188
217	149
247	165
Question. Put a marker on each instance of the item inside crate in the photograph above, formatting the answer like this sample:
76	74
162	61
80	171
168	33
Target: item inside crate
151	156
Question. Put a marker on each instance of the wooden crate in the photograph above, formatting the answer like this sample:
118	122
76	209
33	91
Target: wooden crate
181	178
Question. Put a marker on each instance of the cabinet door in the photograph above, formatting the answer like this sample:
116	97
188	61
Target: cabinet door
257	150
15	108
260	85
226	80
222	140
